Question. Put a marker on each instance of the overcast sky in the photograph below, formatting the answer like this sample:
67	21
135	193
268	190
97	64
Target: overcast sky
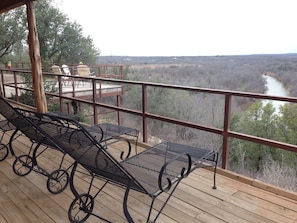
187	27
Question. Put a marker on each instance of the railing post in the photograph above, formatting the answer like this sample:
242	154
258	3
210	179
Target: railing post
118	112
122	70
144	109
225	152
60	92
99	71
16	86
94	101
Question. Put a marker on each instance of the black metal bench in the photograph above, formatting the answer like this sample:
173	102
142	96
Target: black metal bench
152	172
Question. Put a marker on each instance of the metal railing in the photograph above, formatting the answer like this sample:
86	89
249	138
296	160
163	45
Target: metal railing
11	81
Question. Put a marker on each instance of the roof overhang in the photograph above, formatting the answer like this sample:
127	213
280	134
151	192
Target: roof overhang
6	5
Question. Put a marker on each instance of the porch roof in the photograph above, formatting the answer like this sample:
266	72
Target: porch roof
6	5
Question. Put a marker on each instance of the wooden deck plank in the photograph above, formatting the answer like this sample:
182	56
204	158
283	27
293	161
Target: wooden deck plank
205	203
222	194
274	208
208	218
232	184
26	199
10	211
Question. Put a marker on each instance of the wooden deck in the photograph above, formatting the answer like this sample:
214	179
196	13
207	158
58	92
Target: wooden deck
238	200
84	90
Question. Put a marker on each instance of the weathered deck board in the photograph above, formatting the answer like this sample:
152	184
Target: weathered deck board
26	199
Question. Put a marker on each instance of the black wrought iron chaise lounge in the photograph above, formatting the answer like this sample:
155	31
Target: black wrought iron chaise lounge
42	130
36	130
155	171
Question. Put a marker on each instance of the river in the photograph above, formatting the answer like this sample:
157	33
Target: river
275	88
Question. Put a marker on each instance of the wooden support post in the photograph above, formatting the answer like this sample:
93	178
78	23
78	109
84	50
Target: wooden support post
34	51
225	152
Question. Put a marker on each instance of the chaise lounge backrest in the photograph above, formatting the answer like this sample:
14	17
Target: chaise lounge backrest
33	125
20	122
83	70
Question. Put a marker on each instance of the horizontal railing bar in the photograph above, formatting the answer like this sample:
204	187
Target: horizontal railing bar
226	133
177	87
264	141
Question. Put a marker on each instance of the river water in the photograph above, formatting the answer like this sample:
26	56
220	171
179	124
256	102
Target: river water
275	88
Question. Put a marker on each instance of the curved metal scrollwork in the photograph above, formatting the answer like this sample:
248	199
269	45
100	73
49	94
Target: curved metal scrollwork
22	165
128	152
185	171
81	208
57	181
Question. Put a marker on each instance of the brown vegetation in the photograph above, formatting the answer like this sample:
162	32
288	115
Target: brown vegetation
239	73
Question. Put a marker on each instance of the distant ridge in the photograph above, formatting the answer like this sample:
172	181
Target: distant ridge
181	59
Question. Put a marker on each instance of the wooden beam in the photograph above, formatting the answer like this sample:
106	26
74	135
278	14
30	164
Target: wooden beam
34	51
6	5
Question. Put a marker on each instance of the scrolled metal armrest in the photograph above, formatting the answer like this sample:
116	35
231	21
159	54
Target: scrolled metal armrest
185	171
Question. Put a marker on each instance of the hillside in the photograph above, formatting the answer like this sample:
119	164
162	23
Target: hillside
240	73
222	69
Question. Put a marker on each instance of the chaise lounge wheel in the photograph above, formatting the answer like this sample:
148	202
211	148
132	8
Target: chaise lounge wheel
3	151
57	181
81	208
22	165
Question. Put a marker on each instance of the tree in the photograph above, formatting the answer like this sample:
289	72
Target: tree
288	123
12	32
61	41
260	121
288	131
